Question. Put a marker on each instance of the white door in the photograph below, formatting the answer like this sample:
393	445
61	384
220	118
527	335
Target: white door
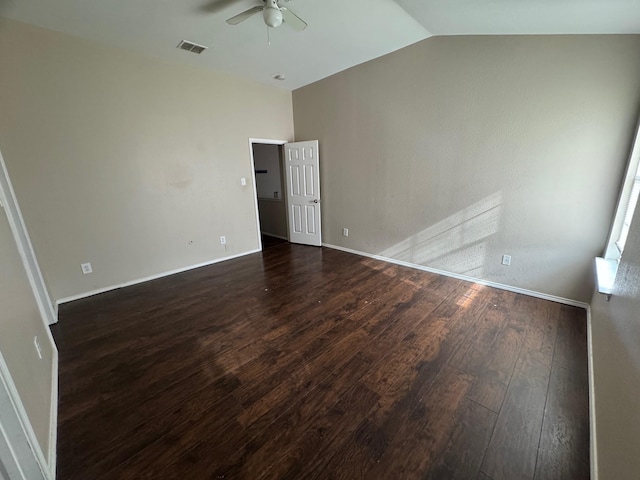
303	192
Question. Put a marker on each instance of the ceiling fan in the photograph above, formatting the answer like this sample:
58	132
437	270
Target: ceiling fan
274	15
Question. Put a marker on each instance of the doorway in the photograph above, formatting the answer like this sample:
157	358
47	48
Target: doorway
287	190
269	181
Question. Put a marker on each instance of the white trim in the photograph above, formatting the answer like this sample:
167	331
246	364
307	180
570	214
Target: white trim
25	247
253	178
151	277
53	419
268	141
28	461
48	314
10	465
606	271
611	249
524	291
275	236
593	444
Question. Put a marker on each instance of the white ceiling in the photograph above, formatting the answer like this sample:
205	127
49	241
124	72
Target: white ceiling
341	33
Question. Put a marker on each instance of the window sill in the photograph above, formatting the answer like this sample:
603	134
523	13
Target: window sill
606	275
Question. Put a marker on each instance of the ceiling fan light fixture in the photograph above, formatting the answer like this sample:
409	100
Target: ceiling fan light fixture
272	17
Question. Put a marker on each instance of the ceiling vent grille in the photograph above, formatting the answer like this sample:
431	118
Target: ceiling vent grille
191	47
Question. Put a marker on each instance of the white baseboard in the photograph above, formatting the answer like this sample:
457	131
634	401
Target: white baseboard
274	236
53	420
151	277
524	291
593	444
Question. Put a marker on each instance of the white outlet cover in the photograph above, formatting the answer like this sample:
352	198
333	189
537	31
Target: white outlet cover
223	240
86	268
345	232
243	181
506	260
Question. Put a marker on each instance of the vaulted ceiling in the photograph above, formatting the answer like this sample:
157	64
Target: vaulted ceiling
341	33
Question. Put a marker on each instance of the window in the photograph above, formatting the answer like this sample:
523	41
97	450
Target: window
628	212
626	205
607	267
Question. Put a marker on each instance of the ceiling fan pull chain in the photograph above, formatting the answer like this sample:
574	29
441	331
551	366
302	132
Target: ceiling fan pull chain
268	37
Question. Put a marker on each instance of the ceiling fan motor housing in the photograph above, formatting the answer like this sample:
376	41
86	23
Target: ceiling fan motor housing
272	14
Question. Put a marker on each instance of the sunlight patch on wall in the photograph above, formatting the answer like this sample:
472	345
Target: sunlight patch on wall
457	243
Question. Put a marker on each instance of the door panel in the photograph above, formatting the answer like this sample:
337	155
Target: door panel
297	219
303	192
311	220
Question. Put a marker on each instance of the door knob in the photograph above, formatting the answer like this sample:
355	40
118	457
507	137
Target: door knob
316	201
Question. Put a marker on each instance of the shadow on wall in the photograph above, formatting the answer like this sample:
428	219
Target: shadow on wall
457	243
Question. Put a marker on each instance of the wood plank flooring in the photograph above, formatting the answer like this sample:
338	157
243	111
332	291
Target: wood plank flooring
311	363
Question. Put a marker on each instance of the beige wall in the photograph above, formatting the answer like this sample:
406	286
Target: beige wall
20	322
457	150
273	217
121	160
616	360
267	159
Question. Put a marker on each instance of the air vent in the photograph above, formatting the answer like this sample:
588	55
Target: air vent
191	47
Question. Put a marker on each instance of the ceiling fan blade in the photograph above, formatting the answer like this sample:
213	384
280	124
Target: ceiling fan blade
292	19
215	6
241	17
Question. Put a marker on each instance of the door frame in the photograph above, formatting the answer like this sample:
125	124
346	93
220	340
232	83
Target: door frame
255	187
10	202
20	455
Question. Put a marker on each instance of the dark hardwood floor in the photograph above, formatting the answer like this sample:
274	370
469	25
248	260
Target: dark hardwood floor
309	363
268	241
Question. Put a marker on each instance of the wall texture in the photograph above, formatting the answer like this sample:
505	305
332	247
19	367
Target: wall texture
121	160
456	150
266	158
20	322
273	217
616	361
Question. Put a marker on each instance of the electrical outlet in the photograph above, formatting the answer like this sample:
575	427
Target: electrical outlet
86	268
345	232
37	345
223	240
243	182
506	260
